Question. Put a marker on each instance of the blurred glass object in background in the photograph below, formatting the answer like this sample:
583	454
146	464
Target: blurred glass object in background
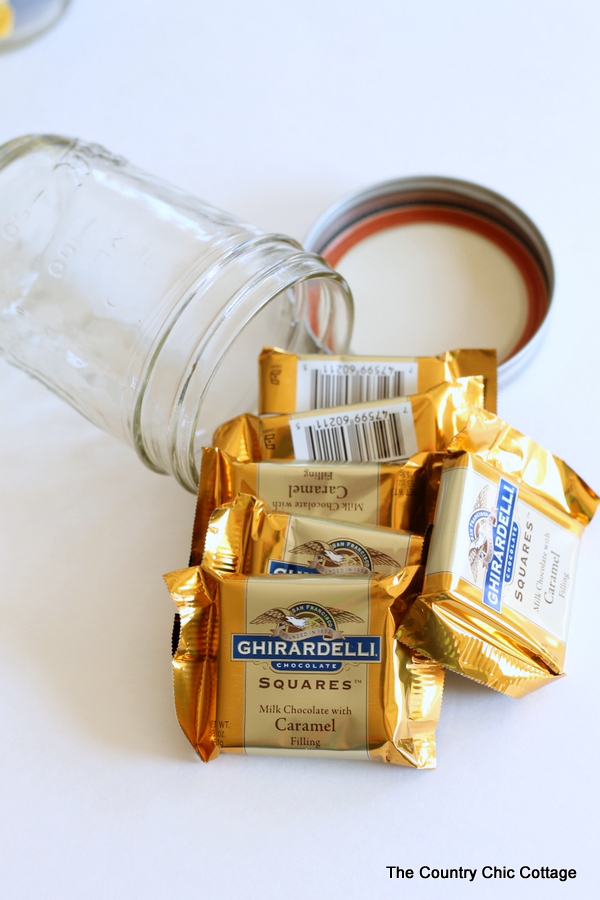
24	20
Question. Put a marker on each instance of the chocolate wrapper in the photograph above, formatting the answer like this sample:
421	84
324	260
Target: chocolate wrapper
302	666
291	383
501	565
395	495
367	432
244	539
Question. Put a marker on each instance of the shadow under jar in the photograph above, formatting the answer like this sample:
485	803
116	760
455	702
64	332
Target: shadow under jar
144	307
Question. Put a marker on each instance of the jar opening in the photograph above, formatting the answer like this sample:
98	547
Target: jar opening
309	317
299	304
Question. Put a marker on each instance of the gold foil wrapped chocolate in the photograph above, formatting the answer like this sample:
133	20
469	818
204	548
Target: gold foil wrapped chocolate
244	539
290	383
395	495
500	570
302	666
367	432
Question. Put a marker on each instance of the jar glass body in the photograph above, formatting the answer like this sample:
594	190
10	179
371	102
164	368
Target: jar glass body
23	20
144	307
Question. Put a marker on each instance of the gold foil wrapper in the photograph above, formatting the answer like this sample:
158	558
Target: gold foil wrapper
381	431
395	495
244	539
500	569
300	666
291	383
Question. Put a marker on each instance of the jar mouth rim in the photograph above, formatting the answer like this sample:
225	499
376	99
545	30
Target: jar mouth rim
295	342
174	306
203	356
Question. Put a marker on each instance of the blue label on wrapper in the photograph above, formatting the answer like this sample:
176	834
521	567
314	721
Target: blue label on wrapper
505	540
315	655
279	567
307	637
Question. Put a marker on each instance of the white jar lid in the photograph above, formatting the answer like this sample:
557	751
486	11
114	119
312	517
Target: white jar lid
436	264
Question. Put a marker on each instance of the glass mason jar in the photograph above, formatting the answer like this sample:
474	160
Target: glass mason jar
144	307
23	20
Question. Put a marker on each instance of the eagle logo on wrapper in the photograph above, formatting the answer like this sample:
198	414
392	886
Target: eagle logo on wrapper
493	543
339	557
306	637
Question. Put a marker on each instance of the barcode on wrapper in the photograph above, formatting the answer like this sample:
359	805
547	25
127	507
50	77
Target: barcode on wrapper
321	384
374	435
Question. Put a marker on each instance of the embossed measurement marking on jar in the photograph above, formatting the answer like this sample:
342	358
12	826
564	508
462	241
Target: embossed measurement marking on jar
11	230
58	266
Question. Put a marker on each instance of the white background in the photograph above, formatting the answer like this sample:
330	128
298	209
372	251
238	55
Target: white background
272	111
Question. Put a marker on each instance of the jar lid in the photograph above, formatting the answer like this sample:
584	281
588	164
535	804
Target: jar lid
435	264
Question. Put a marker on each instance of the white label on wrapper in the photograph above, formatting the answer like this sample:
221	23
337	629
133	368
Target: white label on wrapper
517	556
380	434
327	383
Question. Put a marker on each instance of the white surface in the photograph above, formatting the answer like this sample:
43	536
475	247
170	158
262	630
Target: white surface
274	111
440	286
